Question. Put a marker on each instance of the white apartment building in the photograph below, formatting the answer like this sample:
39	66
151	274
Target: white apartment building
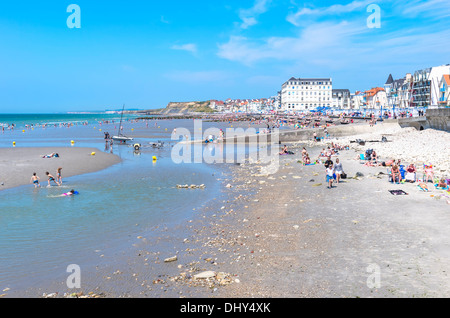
425	88
357	101
341	99
298	94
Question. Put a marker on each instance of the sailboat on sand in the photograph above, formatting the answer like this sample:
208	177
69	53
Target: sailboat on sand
121	137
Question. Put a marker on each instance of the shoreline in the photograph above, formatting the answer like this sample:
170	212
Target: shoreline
18	164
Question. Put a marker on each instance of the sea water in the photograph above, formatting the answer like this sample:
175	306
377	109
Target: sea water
43	232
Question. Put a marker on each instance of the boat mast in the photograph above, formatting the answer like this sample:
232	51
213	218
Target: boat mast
120	125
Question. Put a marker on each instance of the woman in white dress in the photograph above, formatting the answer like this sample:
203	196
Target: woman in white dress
338	170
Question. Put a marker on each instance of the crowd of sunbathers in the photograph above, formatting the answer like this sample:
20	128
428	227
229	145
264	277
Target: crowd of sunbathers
399	174
332	150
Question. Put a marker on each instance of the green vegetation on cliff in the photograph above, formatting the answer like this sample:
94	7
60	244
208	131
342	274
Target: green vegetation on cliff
188	107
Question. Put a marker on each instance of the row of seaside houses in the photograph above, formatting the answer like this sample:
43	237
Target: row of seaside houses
243	105
427	88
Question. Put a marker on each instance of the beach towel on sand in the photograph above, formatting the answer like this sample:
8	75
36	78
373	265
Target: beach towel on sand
397	192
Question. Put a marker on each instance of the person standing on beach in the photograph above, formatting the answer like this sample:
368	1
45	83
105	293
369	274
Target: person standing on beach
51	178
58	175
330	172
328	162
35	180
338	170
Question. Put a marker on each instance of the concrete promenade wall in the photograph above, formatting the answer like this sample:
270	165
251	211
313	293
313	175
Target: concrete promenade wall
435	118
439	118
307	134
335	131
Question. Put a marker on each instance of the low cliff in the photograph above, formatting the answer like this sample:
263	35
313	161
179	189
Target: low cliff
187	107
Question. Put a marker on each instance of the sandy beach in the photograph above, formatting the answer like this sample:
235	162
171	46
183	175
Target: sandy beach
304	240
17	165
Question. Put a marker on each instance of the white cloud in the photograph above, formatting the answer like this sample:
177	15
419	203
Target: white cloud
317	39
248	16
342	47
189	47
295	18
431	8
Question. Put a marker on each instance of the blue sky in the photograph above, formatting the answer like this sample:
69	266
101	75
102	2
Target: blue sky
148	53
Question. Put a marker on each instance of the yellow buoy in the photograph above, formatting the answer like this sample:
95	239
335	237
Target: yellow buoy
72	142
14	143
23	130
92	153
154	158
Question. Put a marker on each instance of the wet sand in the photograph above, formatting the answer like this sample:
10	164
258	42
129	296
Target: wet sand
18	164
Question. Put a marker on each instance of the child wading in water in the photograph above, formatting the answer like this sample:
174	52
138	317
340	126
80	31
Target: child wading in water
35	180
58	175
51	178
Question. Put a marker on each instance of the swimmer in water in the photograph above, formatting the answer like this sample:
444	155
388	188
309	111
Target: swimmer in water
70	193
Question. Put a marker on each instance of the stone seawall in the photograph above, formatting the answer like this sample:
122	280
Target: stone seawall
438	119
